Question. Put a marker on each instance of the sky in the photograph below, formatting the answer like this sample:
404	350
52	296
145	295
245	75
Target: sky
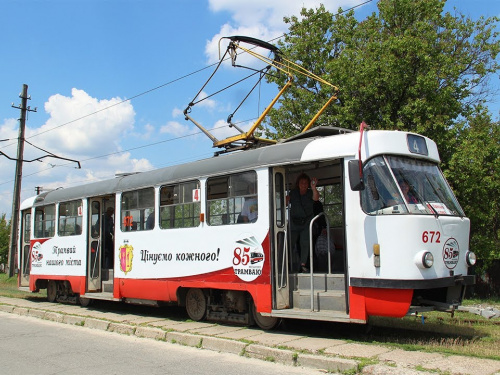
110	80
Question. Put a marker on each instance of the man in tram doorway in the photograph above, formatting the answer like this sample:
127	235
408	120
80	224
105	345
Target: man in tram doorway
108	230
303	200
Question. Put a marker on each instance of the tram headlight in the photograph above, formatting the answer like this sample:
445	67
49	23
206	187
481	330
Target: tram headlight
428	259
424	259
470	258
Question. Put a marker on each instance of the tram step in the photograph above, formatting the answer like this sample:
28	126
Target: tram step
107	286
332	300
107	274
322	282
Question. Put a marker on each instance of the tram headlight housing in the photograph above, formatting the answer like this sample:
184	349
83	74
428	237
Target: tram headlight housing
470	258
424	259
428	259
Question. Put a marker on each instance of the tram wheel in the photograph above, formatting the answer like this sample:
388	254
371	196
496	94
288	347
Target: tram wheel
264	322
84	302
196	304
51	291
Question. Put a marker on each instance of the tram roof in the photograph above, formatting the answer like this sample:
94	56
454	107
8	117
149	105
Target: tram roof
283	153
292	150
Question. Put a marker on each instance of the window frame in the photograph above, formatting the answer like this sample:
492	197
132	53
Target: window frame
178	204
226	194
78	218
144	205
333	209
45	230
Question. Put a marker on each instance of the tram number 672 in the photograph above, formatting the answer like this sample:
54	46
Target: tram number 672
431	236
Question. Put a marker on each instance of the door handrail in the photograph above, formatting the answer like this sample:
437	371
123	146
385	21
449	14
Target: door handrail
311	259
96	259
284	263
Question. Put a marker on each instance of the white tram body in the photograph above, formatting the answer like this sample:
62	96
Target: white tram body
178	237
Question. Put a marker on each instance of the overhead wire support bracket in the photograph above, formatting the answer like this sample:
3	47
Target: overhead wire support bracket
247	139
249	134
42	157
205	131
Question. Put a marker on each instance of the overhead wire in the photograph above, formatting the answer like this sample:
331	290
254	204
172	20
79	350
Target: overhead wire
127	150
166	83
139	95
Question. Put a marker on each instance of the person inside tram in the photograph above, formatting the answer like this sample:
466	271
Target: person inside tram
304	199
250	212
407	194
108	230
78	229
150	222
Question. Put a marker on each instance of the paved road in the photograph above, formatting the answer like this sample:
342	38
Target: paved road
325	354
34	346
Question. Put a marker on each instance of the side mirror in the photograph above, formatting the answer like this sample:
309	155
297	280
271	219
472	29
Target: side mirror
355	179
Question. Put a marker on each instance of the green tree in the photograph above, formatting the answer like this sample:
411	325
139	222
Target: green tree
4	238
474	171
407	67
410	66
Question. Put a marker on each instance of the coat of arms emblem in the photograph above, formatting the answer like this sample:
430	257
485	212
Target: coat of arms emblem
126	255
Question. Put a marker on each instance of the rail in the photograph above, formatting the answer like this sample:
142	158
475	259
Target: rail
311	251
284	264
94	268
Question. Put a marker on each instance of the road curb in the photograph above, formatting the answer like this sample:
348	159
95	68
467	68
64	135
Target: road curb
265	353
334	358
96	324
223	345
151	333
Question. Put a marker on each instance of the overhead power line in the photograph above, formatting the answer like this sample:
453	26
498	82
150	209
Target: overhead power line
139	95
167	83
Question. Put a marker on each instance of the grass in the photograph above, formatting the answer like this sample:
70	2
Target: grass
8	288
462	334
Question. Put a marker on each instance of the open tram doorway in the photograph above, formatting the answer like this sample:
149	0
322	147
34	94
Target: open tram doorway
329	176
101	213
292	284
25	249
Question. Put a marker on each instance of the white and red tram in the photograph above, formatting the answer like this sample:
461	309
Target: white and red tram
178	238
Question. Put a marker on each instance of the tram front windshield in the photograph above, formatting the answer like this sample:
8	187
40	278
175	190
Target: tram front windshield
401	185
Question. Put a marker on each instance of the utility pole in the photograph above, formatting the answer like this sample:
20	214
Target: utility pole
16	200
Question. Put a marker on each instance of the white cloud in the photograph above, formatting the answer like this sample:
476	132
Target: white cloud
262	19
271	13
9	130
176	112
221	129
258	31
123	163
205	103
103	123
175	128
148	131
8	134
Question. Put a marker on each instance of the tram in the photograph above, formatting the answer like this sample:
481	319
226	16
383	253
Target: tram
176	235
178	239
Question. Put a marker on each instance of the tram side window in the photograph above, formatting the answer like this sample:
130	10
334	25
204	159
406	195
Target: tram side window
45	221
136	208
331	196
226	197
180	205
27	228
70	218
380	190
26	236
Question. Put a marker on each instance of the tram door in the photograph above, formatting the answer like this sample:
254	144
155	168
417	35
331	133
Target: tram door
95	245
25	258
280	250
